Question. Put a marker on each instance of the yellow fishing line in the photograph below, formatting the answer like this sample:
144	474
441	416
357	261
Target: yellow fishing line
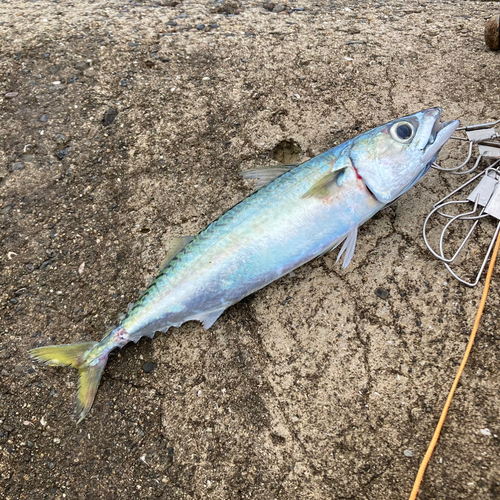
439	426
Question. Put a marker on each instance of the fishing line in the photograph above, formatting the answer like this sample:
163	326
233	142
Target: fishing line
439	426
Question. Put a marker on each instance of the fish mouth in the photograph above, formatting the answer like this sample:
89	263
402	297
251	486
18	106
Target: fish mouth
440	132
437	112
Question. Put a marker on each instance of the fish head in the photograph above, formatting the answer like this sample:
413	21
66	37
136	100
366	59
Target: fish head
392	158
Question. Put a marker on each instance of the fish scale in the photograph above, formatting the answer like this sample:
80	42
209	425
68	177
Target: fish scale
303	212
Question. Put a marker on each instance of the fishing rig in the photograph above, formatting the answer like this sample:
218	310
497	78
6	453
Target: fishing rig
482	201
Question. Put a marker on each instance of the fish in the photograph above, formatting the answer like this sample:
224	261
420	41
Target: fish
296	213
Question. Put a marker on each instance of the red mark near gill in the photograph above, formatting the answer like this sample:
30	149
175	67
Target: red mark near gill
363	183
357	173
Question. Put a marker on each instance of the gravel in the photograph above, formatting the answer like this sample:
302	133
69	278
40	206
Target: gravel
110	115
149	367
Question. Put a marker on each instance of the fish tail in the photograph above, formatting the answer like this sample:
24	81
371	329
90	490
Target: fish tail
88	382
90	366
62	355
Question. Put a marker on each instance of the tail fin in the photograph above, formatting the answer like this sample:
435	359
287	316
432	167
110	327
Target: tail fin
90	369
62	355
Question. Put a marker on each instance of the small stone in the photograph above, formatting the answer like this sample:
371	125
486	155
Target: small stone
269	6
53	69
133	44
50	253
109	116
7	208
149	367
18	165
171	23
14	301
200	27
11	95
57	441
492	33
44	118
229	7
123	83
408	453
382	293
214	26
485	432
63	153
52	391
45	264
82	65
60	139
30	267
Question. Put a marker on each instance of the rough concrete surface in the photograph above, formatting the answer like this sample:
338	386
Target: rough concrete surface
124	124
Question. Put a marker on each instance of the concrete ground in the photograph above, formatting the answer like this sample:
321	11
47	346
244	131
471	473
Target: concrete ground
124	124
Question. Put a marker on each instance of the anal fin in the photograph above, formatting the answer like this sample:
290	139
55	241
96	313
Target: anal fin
209	318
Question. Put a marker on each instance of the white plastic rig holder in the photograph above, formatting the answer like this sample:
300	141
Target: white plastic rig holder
482	202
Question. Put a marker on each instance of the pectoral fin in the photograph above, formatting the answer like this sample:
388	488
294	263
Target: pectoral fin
331	181
348	247
265	175
325	187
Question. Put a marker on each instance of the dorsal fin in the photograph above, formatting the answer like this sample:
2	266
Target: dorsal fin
267	174
176	245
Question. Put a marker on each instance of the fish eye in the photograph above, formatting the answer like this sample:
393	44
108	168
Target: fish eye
402	132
